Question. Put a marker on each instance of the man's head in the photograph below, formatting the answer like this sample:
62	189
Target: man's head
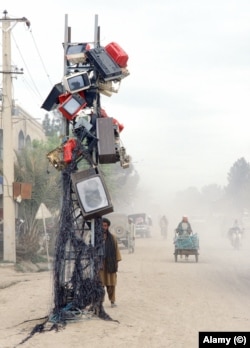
185	218
105	224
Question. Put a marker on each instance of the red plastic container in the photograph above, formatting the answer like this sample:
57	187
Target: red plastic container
68	150
117	53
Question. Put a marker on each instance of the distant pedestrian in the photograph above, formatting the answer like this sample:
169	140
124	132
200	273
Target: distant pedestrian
131	236
164	226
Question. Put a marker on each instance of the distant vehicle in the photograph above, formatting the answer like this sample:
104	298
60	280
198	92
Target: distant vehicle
143	224
119	227
235	234
186	244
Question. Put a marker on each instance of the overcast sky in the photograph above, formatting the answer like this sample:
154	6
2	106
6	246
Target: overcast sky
185	105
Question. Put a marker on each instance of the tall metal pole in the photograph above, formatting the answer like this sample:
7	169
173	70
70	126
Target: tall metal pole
66	41
95	45
9	236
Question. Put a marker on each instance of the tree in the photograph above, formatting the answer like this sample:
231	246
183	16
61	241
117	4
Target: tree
122	183
52	125
238	187
32	166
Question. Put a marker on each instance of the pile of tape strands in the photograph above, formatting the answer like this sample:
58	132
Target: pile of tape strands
78	290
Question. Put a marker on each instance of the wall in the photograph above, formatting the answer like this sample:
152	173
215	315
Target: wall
25	129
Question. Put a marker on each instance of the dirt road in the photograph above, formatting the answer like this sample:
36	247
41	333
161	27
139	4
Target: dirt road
161	303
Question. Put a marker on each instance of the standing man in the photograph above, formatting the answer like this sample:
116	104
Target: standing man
131	236
112	256
164	226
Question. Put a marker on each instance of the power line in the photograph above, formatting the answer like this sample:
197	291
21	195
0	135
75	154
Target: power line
35	88
26	66
41	58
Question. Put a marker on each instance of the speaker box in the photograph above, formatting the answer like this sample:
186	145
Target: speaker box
52	100
106	140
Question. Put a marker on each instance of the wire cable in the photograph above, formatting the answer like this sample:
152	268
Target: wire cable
26	66
46	72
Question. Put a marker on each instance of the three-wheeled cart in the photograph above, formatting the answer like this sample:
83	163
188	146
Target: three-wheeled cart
186	245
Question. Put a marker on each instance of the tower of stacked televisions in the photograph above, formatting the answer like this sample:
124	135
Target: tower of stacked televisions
91	138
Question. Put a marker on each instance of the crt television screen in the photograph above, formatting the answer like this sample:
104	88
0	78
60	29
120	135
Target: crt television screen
76	82
71	106
92	194
74	49
77	48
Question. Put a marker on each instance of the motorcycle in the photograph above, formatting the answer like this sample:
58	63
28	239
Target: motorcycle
235	235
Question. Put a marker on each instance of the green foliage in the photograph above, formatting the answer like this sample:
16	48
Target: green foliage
32	167
122	183
231	199
238	187
38	259
52	126
238	176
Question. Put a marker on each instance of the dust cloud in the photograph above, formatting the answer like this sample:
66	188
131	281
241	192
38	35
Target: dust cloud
161	303
210	220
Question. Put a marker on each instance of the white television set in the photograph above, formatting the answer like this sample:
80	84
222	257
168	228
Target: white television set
72	105
92	193
76	82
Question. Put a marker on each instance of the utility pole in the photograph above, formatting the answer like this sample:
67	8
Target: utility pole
9	229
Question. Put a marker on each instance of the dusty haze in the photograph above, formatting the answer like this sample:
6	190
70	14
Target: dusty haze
161	304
